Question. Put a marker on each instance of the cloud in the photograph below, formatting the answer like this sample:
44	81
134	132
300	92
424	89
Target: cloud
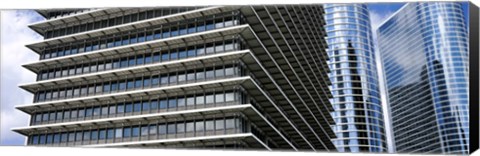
15	35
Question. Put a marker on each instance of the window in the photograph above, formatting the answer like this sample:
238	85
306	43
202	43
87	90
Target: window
49	138
181	102
139	60
96	111
163	104
112	110
209	99
200	100
219	124
89	112
127	132
128	107
59	115
162	129
146	82
38	117
121	108
86	135
110	134
219	73
78	136
180	127
164	80
122	85
189	127
94	135
130	84
171	128
199	127
152	129
45	117
56	138
104	110
135	131
102	134
118	133
144	130
172	103
173	78
154	104
138	83
71	136
219	98
181	77
155	81
145	106
191	101
64	137
209	74
137	107
209	125
42	139
229	97
74	114
81	113
229	123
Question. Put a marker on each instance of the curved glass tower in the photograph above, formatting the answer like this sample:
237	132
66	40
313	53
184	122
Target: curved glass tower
424	49
356	99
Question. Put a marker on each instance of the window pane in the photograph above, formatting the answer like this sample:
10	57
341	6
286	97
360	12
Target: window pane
219	98
209	125
199	127
229	97
144	130
135	131
181	102
128	108
172	103
162	129
190	126
137	107
120	108
163	104
180	127
103	134
209	99
200	100
152	129
118	133
154	104
110	134
229	123
127	132
172	128
94	135
219	124
146	106
191	101
86	135
71	137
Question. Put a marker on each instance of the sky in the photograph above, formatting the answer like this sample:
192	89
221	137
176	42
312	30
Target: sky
15	35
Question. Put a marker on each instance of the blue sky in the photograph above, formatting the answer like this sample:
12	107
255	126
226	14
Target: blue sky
16	34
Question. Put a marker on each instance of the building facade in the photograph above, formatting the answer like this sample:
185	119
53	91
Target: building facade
424	48
356	97
252	77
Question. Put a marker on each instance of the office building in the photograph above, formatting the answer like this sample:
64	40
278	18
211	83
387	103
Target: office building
356	98
424	48
241	77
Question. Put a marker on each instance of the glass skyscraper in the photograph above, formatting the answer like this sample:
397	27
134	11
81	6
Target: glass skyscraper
355	88
424	48
241	77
